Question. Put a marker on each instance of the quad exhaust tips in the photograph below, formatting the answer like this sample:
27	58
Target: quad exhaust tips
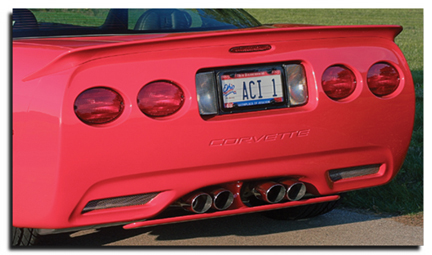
221	198
201	202
273	192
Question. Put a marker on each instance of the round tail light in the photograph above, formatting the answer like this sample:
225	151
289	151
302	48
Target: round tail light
160	98
98	106
383	79
338	82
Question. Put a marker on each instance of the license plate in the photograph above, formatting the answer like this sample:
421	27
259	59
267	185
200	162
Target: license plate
248	89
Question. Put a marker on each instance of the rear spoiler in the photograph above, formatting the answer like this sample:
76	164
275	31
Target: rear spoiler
79	56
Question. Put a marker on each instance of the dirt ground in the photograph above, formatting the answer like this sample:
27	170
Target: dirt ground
411	220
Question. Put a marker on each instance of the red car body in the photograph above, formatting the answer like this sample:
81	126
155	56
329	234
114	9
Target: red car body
60	164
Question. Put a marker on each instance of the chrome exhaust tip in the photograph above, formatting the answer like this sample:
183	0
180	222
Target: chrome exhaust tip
222	199
295	190
270	192
198	202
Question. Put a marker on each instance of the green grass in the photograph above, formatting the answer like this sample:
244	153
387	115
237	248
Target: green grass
404	195
80	17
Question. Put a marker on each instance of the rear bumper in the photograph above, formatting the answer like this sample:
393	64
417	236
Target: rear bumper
312	169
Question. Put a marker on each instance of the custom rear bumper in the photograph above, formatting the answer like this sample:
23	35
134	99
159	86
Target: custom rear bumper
175	186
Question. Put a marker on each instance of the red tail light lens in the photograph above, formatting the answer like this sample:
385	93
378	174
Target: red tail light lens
98	106
383	79
338	82
159	99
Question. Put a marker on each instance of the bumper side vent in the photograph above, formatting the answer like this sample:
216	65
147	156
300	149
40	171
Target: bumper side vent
352	172
119	202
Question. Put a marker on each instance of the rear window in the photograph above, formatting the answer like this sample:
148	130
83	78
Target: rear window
70	22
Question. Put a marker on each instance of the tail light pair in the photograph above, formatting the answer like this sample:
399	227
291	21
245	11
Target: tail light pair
339	82
102	105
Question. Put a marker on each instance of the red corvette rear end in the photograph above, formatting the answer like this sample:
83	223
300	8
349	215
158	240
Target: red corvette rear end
145	129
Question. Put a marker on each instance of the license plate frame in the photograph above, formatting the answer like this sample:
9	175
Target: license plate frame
251	89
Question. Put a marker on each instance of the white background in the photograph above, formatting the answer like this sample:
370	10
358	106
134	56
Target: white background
8	5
